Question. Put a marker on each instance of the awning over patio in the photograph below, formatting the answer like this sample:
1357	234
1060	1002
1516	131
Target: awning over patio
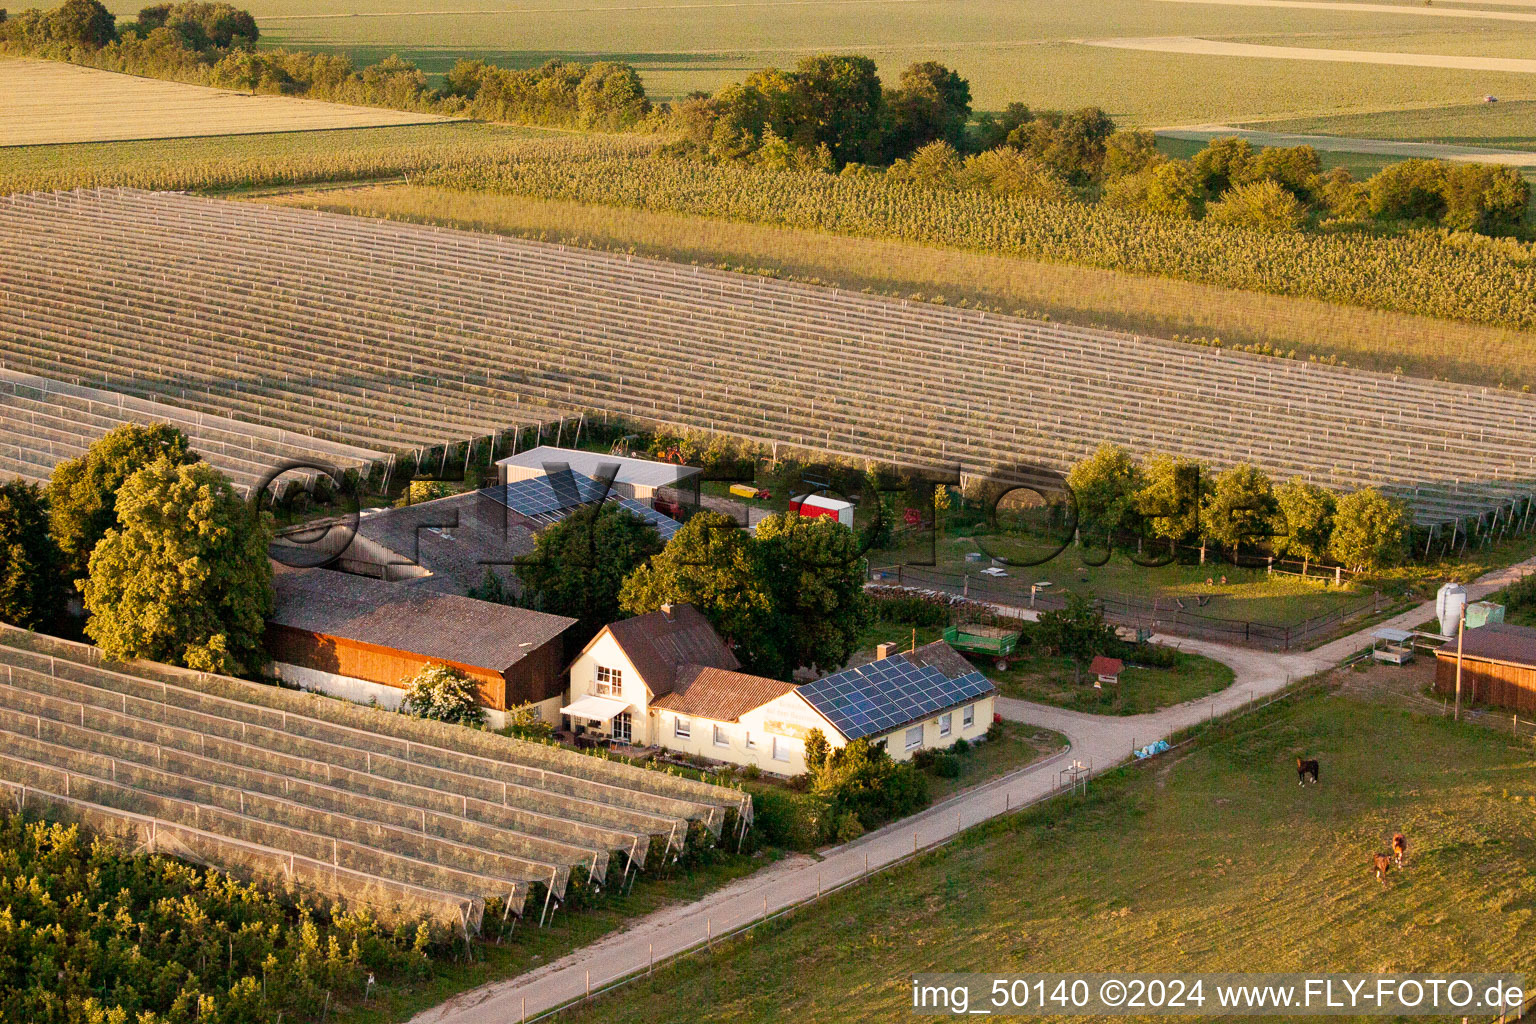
600	709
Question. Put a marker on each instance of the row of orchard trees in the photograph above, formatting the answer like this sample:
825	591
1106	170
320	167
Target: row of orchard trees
1180	501
166	558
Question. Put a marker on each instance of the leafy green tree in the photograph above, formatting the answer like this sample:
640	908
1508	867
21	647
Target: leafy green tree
1130	152
1343	197
184	577
83	23
1483	198
1307	512
1241	507
836	102
932	104
1171	496
1296	169
936	165
202	26
579	565
1105	485
816	752
992	130
713	564
1264	205
1173	190
817	580
1077	632
1071	143
1370	531
1221	164
82	493
862	779
441	694
31	574
1008	172
1408	190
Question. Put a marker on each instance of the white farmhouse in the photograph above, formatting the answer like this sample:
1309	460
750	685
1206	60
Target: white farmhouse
666	679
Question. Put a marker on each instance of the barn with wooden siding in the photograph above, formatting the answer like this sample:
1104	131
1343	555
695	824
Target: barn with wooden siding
1498	667
360	638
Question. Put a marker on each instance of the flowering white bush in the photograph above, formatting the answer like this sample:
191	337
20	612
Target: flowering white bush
441	694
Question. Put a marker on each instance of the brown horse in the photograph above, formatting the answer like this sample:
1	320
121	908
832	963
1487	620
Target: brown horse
1305	768
1399	848
1383	865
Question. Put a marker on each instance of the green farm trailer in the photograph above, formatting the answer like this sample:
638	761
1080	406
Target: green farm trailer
987	641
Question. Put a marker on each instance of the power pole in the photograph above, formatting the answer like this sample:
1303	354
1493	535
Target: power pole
1461	632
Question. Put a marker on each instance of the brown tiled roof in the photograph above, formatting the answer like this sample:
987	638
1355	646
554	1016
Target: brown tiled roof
658	645
1496	641
718	694
941	656
403	618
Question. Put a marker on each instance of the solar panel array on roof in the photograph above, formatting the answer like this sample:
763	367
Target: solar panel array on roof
550	498
887	694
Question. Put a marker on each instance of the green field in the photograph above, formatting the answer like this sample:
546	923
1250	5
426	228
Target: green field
1026	50
1508	124
1204	860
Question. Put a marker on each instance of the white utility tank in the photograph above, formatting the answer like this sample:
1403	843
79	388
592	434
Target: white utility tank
1448	605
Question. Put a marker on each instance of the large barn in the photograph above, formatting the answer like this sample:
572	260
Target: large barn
360	638
1498	667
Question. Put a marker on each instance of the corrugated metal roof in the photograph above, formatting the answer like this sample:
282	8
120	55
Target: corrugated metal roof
1496	641
645	472
401	618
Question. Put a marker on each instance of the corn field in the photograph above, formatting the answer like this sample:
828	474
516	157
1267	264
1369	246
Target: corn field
1482	280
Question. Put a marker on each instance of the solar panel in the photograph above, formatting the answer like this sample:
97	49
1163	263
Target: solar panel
552	497
882	695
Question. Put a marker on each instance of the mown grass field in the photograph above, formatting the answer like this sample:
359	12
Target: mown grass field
1162	307
1009	49
50	102
1507	123
1210	859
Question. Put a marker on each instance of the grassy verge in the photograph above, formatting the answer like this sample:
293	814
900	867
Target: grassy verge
1164	307
1015	746
531	946
1211	859
1140	690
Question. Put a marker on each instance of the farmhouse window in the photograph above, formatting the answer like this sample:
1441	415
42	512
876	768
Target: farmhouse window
610	681
946	723
968	716
914	737
682	728
780	750
721	739
751	743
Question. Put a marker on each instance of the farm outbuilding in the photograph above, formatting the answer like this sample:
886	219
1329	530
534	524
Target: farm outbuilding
639	479
1498	667
813	505
359	638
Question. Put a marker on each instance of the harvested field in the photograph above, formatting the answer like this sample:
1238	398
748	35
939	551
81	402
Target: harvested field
1341	6
1225	48
385	333
412	818
53	102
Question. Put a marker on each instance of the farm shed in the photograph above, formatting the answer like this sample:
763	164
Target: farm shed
1498	667
445	545
813	505
639	479
358	638
540	501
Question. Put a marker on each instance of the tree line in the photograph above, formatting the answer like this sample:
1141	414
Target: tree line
1179	501
164	557
829	113
214	44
